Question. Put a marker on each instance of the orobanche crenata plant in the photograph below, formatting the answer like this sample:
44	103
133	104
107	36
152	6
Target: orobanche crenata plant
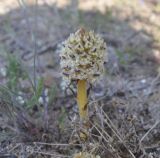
82	60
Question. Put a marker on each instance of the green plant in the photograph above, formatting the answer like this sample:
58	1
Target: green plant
52	93
125	56
121	57
14	72
36	94
61	118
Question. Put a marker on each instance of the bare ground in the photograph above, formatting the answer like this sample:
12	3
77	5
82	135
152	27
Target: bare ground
124	106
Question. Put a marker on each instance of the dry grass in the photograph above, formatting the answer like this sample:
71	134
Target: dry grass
124	110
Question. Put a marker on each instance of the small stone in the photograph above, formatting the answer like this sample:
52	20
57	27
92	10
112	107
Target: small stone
20	100
3	72
143	81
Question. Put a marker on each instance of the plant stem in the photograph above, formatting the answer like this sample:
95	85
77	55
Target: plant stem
82	98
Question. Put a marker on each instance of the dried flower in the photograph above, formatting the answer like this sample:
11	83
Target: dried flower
82	56
82	59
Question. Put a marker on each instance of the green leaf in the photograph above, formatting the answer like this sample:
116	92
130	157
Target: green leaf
34	100
61	118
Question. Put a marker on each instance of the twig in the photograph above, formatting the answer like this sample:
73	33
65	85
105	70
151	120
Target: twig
50	154
149	131
51	144
17	145
115	131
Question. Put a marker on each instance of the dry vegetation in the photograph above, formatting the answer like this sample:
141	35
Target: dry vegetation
40	119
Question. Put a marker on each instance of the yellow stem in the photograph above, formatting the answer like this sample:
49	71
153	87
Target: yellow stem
82	98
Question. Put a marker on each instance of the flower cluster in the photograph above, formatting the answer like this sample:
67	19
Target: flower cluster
82	56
